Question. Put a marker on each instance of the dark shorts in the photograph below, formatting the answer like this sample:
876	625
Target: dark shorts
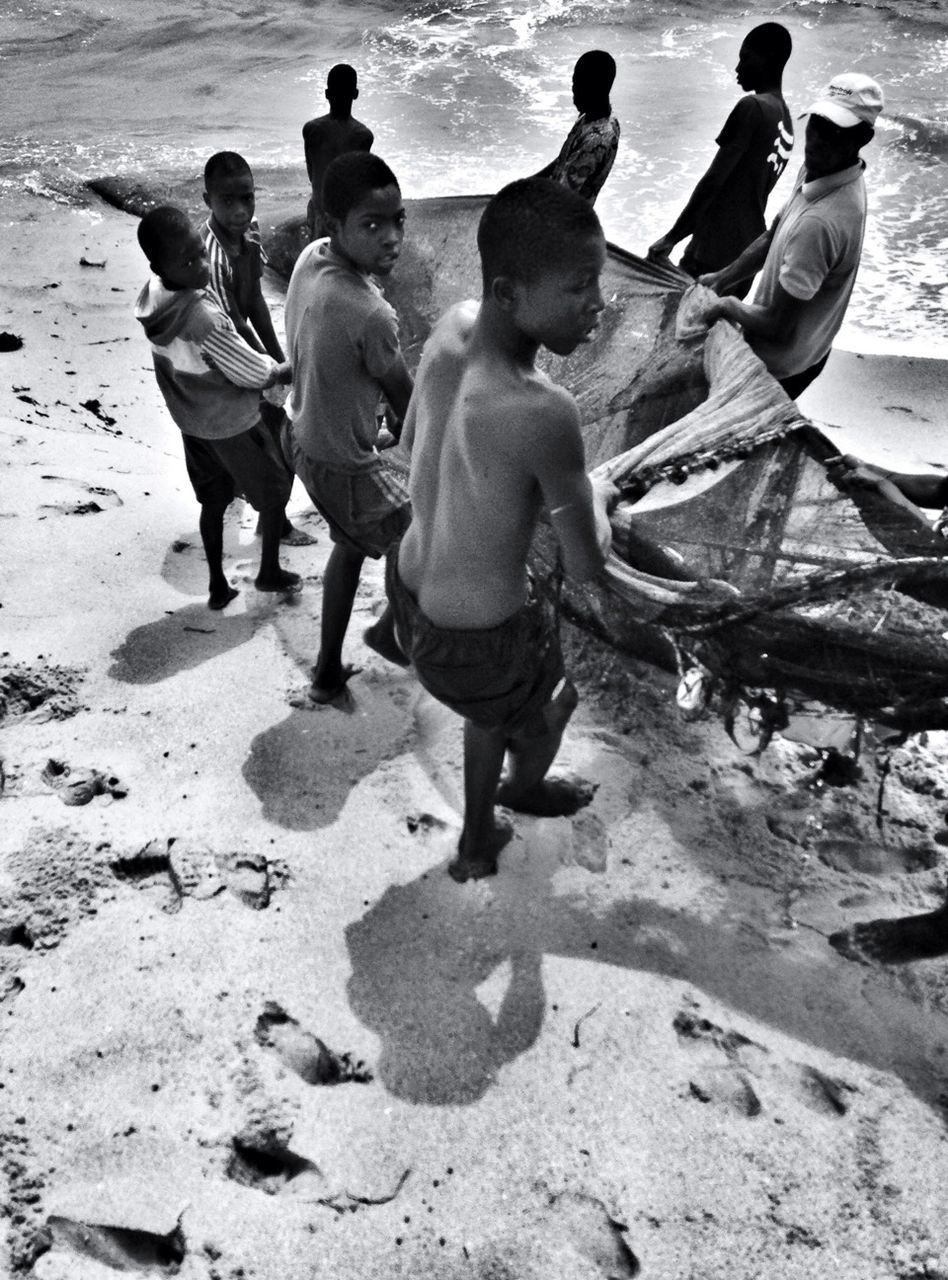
250	464
499	678
797	383
366	510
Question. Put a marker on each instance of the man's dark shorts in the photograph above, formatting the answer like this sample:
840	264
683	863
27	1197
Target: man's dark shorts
366	510
250	464
797	383
500	678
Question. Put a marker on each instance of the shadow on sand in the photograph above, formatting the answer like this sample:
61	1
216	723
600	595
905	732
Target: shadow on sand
178	642
419	954
303	769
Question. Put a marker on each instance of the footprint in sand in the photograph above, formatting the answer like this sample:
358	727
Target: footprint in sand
567	1232
734	1067
303	1052
76	498
120	1248
725	1074
425	823
268	1168
16	935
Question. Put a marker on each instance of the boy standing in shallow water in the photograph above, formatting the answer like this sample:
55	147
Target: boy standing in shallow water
492	439
343	341
586	157
211	379
236	259
330	136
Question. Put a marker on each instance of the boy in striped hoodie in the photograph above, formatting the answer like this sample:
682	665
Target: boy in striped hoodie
211	382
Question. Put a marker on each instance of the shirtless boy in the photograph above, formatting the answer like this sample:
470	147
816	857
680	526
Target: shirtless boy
492	440
211	382
332	135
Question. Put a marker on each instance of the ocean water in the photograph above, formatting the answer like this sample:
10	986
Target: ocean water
465	96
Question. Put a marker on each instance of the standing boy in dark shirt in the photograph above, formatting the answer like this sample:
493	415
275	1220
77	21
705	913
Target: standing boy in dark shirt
725	212
330	136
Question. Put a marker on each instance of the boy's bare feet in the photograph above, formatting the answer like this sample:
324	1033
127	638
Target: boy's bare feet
898	941
327	687
381	639
293	537
550	798
290	536
283	580
476	864
220	595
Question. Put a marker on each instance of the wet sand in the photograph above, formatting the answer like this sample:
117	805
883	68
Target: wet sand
251	1027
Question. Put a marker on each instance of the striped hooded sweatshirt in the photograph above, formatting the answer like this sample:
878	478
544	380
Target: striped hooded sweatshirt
210	378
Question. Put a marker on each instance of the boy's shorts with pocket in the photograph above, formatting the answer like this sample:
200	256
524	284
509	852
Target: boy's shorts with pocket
366	510
500	678
250	464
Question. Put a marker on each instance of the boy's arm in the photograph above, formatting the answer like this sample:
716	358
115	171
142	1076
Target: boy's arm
407	438
225	350
578	508
707	187
777	321
807	258
259	316
925	490
397	388
732	142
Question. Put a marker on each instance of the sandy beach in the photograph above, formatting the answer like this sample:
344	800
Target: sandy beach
251	1028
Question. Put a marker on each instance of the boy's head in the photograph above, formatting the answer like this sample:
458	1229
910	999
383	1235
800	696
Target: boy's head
763	56
363	208
342	85
175	251
229	193
542	251
593	77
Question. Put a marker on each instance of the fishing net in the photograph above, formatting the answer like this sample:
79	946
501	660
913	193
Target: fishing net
732	545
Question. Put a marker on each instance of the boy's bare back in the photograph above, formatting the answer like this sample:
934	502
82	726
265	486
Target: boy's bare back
490	441
327	137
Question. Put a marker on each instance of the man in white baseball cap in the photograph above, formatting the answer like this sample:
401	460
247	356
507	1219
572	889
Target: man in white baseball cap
810	255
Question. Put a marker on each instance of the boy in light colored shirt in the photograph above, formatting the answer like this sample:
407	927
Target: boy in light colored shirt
211	382
343	340
236	260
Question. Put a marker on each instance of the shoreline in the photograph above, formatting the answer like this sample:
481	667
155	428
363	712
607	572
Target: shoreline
886	408
633	1051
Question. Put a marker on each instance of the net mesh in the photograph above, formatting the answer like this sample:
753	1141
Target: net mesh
731	543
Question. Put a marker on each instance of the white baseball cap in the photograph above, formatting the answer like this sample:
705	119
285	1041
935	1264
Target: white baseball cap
849	99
